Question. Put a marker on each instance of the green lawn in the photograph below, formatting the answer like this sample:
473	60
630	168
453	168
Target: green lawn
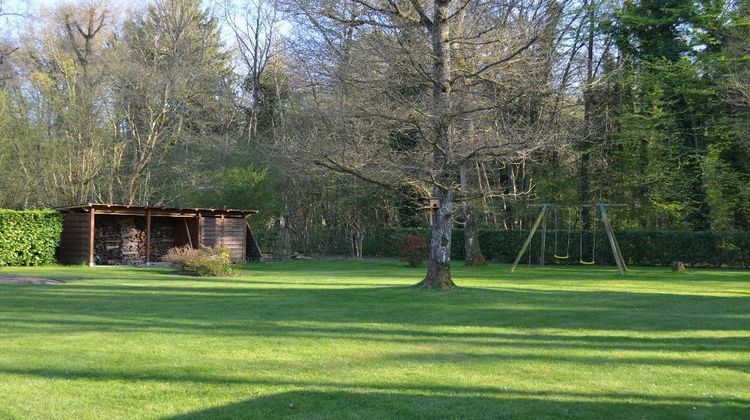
342	339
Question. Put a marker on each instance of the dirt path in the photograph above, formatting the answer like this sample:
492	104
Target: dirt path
27	280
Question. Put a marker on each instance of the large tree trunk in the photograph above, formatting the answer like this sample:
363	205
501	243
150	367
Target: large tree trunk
472	252
439	270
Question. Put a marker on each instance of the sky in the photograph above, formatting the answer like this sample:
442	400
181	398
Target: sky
30	11
14	24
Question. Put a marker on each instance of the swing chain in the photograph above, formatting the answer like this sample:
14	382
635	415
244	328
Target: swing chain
593	242
567	248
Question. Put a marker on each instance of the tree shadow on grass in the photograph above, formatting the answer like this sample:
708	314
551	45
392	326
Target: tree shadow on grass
520	323
397	305
392	405
526	346
321	399
468	307
402	315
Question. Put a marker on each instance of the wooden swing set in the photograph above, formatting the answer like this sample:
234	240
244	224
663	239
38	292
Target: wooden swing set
557	254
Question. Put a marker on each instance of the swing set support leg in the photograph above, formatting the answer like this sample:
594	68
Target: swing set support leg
544	241
531	235
612	241
619	253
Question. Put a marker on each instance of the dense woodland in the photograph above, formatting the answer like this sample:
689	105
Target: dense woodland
334	117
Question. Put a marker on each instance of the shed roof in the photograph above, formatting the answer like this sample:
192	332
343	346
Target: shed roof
125	209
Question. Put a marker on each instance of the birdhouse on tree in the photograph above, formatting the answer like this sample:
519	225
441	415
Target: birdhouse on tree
431	203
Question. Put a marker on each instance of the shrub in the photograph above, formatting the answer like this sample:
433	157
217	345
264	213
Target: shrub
210	262
412	249
201	262
177	257
29	237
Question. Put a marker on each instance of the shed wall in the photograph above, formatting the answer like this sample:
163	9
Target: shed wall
229	232
74	241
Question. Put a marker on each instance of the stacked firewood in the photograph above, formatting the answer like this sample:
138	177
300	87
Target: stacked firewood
133	244
120	241
162	238
123	241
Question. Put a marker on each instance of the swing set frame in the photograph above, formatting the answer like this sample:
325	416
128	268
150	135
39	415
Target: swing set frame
542	219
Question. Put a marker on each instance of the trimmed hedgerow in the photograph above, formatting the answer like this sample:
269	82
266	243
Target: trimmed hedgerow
651	248
29	237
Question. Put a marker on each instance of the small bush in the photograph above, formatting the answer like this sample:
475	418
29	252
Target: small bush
412	249
210	262
177	257
29	237
201	262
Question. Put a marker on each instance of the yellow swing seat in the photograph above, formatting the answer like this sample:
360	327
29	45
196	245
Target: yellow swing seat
592	262
561	257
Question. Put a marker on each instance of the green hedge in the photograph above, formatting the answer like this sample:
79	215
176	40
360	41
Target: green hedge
657	248
29	237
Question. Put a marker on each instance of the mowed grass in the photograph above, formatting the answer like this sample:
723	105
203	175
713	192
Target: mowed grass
344	339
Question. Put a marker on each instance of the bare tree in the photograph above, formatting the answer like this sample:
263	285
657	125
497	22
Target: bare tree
5	71
397	95
167	80
256	26
6	48
64	68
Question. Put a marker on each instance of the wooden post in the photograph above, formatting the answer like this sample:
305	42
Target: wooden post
92	226
187	229
614	238
531	235
544	241
612	242
199	240
148	237
221	230
619	253
244	242
622	258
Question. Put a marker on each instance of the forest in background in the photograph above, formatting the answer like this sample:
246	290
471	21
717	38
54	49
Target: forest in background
322	114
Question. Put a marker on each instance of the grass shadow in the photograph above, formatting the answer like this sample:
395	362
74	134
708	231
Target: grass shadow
393	404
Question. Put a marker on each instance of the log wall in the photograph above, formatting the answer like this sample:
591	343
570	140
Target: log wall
122	239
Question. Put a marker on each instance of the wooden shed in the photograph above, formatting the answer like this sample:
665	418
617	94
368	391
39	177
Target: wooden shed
106	234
